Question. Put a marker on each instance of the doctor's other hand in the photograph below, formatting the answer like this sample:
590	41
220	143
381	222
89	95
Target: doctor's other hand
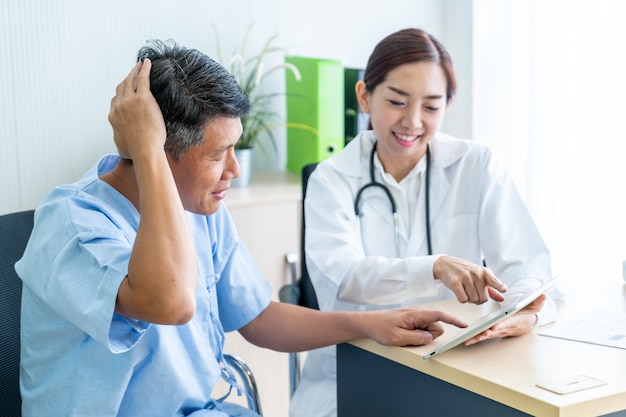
470	283
135	116
518	324
411	326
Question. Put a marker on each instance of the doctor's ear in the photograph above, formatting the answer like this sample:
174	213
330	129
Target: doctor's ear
449	103
362	96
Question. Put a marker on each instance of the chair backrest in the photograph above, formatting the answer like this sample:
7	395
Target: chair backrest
15	229
307	292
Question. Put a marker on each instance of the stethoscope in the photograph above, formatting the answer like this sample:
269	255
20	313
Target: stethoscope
392	201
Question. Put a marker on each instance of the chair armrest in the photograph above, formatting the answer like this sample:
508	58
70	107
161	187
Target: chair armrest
247	380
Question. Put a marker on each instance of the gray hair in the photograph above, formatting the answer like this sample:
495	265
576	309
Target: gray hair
191	90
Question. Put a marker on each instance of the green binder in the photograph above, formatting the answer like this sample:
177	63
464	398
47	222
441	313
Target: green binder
317	103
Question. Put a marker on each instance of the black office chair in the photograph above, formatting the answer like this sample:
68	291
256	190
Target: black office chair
15	229
300	291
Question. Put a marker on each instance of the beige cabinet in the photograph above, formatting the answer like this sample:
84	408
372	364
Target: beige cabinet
267	216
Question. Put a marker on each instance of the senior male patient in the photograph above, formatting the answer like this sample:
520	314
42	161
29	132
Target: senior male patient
134	272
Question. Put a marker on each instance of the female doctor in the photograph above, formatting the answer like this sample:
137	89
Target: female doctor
406	215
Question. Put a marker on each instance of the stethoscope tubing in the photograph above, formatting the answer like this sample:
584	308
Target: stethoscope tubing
392	201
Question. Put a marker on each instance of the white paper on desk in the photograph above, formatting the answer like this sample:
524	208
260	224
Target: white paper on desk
606	328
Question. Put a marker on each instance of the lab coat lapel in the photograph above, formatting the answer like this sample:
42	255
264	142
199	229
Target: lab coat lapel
439	187
444	153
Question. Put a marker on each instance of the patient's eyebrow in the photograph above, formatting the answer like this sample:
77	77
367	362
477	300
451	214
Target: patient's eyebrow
221	150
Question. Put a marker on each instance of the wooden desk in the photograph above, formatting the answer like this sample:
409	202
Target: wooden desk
493	378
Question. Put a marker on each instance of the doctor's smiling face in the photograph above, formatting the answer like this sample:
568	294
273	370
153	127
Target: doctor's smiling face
405	110
408	84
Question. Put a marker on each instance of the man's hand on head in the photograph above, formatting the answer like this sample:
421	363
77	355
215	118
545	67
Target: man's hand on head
135	116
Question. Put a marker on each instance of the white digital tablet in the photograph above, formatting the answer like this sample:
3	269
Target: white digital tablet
508	307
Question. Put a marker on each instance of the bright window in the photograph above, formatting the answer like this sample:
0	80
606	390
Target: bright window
549	96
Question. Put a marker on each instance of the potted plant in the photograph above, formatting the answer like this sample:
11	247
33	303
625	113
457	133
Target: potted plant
260	123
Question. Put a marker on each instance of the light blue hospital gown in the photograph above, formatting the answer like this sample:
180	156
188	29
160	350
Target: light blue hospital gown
79	358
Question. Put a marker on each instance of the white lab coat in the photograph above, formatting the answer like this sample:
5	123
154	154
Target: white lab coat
475	213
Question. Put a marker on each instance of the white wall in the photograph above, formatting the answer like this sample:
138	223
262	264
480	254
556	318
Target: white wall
61	60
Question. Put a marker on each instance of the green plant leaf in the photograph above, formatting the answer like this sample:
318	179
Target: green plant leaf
250	72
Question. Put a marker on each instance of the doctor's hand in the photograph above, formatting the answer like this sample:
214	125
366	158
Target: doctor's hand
518	324
469	282
135	116
407	326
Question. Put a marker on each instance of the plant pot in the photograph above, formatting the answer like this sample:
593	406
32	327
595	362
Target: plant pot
244	157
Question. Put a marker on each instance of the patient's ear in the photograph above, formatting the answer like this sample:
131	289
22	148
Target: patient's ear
362	96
